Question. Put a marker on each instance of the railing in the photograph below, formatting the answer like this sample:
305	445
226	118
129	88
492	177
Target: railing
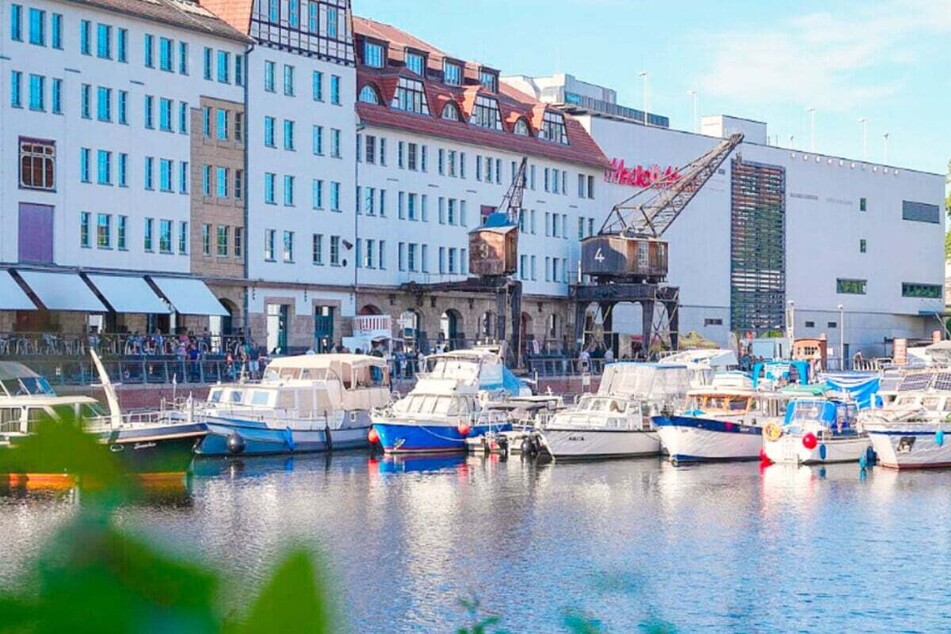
47	344
142	370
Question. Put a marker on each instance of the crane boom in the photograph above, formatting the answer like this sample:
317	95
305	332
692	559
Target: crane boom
512	200
673	192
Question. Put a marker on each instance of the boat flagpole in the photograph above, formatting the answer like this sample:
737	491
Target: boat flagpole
115	413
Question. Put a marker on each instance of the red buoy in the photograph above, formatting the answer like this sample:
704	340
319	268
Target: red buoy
809	441
764	458
463	429
373	437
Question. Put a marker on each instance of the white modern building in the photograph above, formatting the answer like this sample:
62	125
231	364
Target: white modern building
96	111
783	239
440	143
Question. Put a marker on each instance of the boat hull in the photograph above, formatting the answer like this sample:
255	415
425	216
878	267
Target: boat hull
252	438
697	439
581	444
408	437
911	446
789	449
158	449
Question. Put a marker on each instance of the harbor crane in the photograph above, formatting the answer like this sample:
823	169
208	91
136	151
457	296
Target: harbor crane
627	260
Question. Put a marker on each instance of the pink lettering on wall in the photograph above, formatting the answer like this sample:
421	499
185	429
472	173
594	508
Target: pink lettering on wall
641	176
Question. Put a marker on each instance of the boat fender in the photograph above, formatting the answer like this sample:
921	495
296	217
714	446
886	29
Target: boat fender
772	431
289	438
863	461
822	451
528	447
809	441
939	437
236	443
463	429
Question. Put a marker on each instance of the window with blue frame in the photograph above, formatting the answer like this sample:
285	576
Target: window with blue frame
38	93
183	58
165	175
206	121
56	31
269	70
85	35
149	227
222	124
122	45
84	220
123	107
288	80
312	9
122	169
149	172
318	87
149	112
289	191
104	171
269	131
335	90
293	9
183	117
269	181
56	96
149	50
318	140
85	101
274	11
224	67
37	27
103	41
165	114
16	88
16	22
84	156
288	134
121	231
104	104
206	180
183	177
331	22
221	182
207	60
239	70
166	52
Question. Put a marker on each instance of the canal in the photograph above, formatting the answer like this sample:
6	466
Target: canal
727	547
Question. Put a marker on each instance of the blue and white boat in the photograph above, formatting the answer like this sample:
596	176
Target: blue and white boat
722	421
817	428
306	403
448	404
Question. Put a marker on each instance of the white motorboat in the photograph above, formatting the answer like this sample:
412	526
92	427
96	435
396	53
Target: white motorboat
910	432
616	421
305	403
722	421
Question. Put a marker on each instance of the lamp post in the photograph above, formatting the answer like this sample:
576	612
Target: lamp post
693	96
812	129
791	323
841	336
885	143
864	123
645	76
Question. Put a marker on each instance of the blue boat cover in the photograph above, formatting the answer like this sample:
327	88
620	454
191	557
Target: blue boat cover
792	371
862	387
511	383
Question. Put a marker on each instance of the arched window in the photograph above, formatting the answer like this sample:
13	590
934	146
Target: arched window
368	94
451	112
521	128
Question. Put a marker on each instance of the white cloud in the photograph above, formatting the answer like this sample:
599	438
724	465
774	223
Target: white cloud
825	59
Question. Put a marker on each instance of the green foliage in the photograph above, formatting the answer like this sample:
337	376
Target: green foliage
480	624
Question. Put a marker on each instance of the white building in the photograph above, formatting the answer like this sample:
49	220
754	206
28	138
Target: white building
301	167
863	236
95	126
439	145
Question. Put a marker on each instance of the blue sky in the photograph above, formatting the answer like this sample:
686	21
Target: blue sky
886	61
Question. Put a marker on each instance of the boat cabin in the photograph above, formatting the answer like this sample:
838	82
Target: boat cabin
835	414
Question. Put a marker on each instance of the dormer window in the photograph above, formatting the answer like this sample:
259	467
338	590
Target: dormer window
485	113
410	97
369	95
522	129
373	54
451	112
415	62
489	80
553	128
451	73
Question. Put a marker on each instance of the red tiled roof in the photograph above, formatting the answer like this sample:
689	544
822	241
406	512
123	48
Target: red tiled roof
237	13
186	14
513	105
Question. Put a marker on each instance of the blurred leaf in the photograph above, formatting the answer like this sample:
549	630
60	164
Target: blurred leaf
294	600
580	623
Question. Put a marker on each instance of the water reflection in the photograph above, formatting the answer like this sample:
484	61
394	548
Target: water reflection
725	547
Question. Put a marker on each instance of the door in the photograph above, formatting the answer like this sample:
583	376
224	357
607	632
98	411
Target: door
35	239
324	328
277	328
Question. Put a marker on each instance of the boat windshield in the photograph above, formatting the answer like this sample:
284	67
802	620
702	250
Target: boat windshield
725	403
600	404
435	404
27	386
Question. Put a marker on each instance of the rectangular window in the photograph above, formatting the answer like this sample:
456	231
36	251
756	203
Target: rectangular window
122	170
331	22
85	100
412	156
334	143
288	134
222	180
318	245
270	182
104	231
452	260
222	124
104	167
288	191
104	104
239	70
206	240
149	51
373	54
224	67
269	131
56	26
222	242
206	180
317	193
16	22
165	236
370	149
382	151
38	93
165	114
411	262
334	196
288	80
149	172
920	212
37	27
166	49
862	246
183	238
103	41
335	250
239	184
16	89
84	158
165	175
288	246
318	140
238	242
850	287
183	117
239	126
121	231
85	37
84	219
335	90
183	177
207	57
123	107
183	58
148	234
318	82
122	45
927	291
863	204
149	112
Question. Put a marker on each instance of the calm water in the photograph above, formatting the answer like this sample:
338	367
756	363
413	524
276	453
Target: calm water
707	548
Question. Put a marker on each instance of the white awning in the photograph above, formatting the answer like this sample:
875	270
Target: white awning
129	294
12	296
63	291
189	296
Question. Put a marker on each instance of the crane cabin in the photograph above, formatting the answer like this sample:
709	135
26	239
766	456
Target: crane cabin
493	247
633	258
